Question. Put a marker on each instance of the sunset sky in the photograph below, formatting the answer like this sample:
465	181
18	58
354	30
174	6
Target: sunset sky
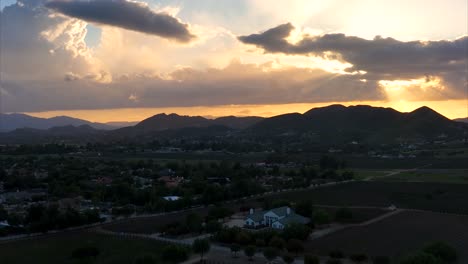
122	60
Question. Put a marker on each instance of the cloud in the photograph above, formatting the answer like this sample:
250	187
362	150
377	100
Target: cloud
381	58
131	15
235	84
38	45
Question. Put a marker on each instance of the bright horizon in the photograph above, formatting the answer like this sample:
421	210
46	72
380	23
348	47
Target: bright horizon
122	60
139	114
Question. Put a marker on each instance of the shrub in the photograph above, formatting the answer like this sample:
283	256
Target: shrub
277	242
145	259
270	253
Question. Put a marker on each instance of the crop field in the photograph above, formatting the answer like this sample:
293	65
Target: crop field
447	176
57	249
398	235
441	197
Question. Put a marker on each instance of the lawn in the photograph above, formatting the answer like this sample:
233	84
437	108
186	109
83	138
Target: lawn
398	235
57	249
443	176
361	174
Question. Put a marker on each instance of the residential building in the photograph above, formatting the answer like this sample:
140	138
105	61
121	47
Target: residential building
277	218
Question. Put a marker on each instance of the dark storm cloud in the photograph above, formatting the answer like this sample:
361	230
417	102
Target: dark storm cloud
380	57
130	15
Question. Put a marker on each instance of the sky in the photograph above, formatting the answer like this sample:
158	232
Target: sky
122	60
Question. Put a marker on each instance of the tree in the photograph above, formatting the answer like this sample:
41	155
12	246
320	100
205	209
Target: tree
320	217
311	259
296	231
442	251
270	253
235	248
194	222
288	258
3	213
201	246
174	254
145	259
277	242
381	260
295	245
249	251
213	226
359	258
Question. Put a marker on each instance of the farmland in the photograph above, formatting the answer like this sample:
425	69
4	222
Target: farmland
398	235
447	176
441	197
57	249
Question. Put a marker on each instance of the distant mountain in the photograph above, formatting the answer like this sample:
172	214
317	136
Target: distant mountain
69	133
118	124
171	122
334	124
463	120
337	123
237	122
10	122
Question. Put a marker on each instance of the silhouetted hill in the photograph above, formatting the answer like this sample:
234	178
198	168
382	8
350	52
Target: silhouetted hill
10	122
75	134
337	123
237	122
463	120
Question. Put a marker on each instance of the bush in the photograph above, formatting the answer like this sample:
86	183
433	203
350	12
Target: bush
320	217
234	249
310	259
296	231
442	251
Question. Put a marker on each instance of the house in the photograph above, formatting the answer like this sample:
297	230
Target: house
277	218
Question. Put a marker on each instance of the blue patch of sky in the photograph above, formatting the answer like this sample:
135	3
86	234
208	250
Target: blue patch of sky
93	36
4	3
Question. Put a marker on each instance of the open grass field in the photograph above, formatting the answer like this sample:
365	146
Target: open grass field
398	235
430	175
361	174
441	197
151	224
57	249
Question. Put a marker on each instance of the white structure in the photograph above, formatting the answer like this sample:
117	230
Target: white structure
277	218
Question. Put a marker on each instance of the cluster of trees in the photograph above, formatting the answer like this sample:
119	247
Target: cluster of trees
434	253
41	218
291	234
